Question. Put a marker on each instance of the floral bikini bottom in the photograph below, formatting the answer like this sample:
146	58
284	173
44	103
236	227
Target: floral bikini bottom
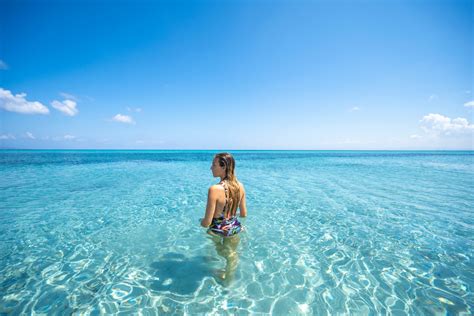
225	227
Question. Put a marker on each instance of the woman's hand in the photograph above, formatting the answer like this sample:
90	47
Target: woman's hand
200	222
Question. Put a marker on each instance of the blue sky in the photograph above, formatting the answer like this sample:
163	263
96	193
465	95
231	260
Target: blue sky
237	74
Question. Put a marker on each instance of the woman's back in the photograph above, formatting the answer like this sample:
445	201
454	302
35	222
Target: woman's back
223	203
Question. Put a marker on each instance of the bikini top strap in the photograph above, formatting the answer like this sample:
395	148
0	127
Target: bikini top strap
226	195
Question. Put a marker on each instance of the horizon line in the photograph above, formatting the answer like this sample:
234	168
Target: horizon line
135	149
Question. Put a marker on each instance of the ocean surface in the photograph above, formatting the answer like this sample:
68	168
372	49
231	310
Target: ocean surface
327	233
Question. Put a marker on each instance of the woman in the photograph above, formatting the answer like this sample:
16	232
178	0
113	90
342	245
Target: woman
224	198
221	212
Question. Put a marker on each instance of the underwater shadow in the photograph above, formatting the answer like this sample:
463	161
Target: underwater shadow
179	274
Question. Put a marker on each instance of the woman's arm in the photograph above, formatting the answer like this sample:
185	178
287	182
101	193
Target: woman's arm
243	205
211	206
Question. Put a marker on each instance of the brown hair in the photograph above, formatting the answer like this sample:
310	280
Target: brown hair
226	161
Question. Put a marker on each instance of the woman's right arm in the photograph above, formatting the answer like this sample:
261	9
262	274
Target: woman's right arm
243	205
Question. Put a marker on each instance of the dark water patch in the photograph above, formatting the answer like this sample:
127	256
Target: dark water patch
179	274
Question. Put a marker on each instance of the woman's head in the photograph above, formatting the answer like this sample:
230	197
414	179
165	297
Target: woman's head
223	165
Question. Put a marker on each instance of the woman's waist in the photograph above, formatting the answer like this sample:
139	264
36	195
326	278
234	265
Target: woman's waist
222	219
221	216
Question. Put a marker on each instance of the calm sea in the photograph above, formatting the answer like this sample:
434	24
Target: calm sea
327	232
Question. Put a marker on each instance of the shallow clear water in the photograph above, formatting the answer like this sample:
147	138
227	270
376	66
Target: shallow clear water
327	233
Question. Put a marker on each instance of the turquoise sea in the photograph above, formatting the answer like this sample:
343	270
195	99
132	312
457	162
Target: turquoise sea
327	233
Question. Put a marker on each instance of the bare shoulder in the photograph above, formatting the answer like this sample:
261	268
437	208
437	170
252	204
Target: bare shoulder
241	186
215	188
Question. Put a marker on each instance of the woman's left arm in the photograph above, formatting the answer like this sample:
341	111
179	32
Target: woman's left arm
211	206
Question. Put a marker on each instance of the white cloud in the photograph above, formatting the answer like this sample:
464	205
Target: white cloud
129	109
7	136
432	97
30	135
66	95
68	107
18	103
3	65
65	137
469	104
123	119
415	136
442	125
355	108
